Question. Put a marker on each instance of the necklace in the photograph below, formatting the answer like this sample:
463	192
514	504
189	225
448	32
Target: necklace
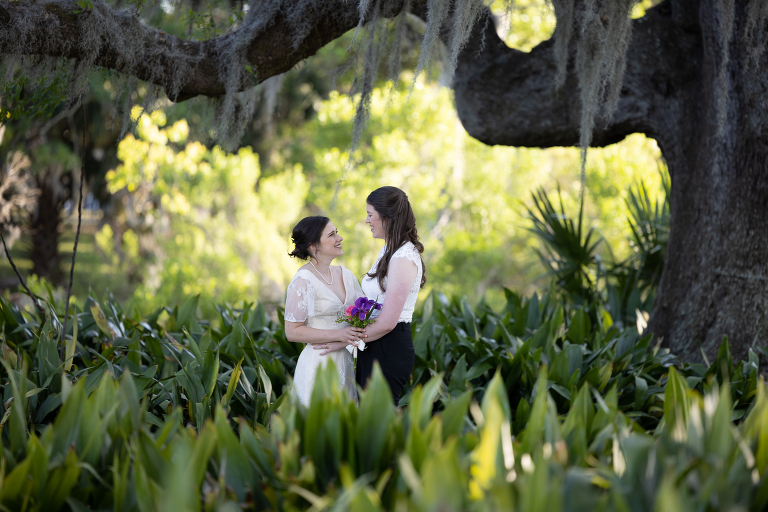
321	275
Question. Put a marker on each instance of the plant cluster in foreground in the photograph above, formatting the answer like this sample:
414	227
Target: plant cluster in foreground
535	407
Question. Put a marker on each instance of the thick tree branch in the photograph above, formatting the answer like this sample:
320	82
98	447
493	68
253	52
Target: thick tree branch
508	97
56	29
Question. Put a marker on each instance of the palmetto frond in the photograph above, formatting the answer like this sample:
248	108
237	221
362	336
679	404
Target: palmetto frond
567	249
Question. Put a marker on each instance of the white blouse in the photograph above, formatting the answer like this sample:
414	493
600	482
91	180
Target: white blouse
372	290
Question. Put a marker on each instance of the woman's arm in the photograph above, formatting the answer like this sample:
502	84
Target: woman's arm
400	278
299	333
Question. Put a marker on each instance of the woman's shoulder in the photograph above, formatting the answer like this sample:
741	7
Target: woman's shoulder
347	274
303	274
344	270
407	250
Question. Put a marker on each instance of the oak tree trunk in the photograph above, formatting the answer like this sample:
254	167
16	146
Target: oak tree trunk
46	227
715	279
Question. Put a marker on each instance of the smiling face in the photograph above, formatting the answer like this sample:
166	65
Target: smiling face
329	246
375	222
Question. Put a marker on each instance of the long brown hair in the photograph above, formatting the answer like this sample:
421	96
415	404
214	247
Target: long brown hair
399	223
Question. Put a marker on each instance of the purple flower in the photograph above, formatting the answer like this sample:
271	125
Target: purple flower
362	307
359	308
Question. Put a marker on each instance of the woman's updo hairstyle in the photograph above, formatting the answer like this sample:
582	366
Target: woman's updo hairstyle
306	233
399	223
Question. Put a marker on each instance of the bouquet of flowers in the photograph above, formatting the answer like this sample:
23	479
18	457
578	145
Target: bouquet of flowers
358	315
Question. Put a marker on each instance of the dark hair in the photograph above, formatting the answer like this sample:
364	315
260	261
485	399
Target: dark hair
307	232
399	224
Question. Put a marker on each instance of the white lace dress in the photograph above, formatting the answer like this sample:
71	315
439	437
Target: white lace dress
371	286
312	302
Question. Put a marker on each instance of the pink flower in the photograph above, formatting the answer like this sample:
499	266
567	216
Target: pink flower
349	310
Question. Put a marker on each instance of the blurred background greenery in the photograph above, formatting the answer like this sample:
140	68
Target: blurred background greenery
169	215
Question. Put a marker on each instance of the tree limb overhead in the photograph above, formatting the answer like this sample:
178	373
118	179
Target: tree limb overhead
55	29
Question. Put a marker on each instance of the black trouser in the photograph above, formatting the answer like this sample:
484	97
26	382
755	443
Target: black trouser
395	355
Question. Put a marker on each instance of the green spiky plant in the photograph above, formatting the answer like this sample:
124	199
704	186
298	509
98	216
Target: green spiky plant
567	248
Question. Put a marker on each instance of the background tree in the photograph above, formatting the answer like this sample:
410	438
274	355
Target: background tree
690	74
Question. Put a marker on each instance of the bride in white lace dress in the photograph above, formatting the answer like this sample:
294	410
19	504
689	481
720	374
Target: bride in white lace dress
316	294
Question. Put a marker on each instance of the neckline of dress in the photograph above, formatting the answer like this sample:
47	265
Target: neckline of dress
343	282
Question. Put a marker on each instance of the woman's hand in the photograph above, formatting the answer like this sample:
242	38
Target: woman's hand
351	335
332	346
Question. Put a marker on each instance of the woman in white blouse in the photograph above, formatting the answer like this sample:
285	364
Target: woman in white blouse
315	296
395	280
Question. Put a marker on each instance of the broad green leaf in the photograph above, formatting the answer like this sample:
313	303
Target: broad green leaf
267	384
187	316
579	328
67	425
193	347
233	379
497	393
234	464
210	371
69	343
444	480
675	398
641	392
101	321
454	415
374	421
459	375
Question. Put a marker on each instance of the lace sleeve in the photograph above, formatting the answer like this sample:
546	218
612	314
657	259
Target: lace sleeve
409	252
300	300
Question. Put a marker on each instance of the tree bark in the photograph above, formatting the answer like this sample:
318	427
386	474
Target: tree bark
715	279
46	260
290	34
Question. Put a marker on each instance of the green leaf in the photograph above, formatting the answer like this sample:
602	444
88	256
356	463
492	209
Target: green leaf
233	379
641	392
233	462
187	316
459	375
267	384
69	343
522	414
444	479
210	371
374	421
48	362
575	358
422	401
675	398
101	321
454	415
579	328
421	339
193	347
498	394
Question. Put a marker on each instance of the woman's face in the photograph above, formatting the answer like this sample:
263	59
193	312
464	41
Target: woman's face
330	243
375	222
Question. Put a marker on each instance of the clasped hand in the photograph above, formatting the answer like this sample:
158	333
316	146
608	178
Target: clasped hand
346	336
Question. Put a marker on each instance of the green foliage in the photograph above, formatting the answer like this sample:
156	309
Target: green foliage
218	224
534	406
28	97
568	249
625	288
